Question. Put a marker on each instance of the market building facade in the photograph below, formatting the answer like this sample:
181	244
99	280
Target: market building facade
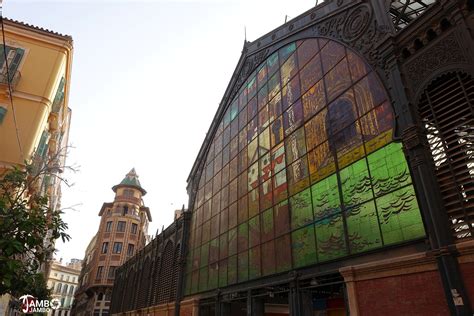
337	174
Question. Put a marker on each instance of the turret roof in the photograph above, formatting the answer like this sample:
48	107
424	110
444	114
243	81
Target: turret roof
130	180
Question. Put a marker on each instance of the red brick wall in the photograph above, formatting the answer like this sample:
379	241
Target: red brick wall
411	294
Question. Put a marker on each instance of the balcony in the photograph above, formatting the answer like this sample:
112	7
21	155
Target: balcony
14	79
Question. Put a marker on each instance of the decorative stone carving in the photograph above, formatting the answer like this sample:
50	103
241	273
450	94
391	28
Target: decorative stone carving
358	29
445	52
249	65
356	23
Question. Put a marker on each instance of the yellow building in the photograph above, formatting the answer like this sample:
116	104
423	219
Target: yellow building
34	113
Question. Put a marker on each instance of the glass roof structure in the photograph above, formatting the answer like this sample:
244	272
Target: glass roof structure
403	12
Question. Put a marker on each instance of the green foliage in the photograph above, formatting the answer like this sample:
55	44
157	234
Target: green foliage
28	229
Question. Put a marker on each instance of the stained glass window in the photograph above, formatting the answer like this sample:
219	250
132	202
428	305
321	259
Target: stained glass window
302	169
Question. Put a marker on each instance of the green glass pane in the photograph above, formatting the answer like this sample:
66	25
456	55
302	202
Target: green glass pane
254	231
389	169
204	255
267	225
203	278
214	250
223	273
272	63
399	216
195	281
189	261
243	237
223	246
254	263
234	110
187	287
363	230
232	241
303	247
232	270
330	238
326	199
243	264
213	276
286	51
355	182
196	259
301	209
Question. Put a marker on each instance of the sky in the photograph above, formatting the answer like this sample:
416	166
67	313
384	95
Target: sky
147	78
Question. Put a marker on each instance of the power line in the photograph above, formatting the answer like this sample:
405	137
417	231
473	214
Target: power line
9	86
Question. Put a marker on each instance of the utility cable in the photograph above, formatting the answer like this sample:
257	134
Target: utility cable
10	86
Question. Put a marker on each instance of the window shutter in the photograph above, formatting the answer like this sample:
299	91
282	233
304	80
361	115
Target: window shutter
13	67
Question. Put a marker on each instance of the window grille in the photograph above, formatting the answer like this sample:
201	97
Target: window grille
446	109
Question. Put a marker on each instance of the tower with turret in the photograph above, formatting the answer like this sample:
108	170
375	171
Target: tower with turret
122	232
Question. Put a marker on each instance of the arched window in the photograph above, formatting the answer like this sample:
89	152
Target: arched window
125	210
58	289
446	109
71	290
100	296
65	289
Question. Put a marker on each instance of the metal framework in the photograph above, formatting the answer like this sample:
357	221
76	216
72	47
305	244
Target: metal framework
403	12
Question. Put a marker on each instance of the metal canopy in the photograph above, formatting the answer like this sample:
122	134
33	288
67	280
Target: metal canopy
403	12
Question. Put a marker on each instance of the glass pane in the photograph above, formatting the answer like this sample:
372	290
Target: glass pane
301	209
276	131
321	162
337	80
311	73
314	100
357	66
306	50
298	175
331	54
363	231
267	225
223	273
282	218
316	130
232	241
355	184
377	127
330	238
232	270
274	87
399	216
280	187
369	93
203	278
290	93
243	264
326	199
243	237
293	118
303	247
283	255
254	231
254	263
388	169
268	258
295	145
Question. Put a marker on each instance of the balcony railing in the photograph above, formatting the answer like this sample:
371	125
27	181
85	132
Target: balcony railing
14	78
